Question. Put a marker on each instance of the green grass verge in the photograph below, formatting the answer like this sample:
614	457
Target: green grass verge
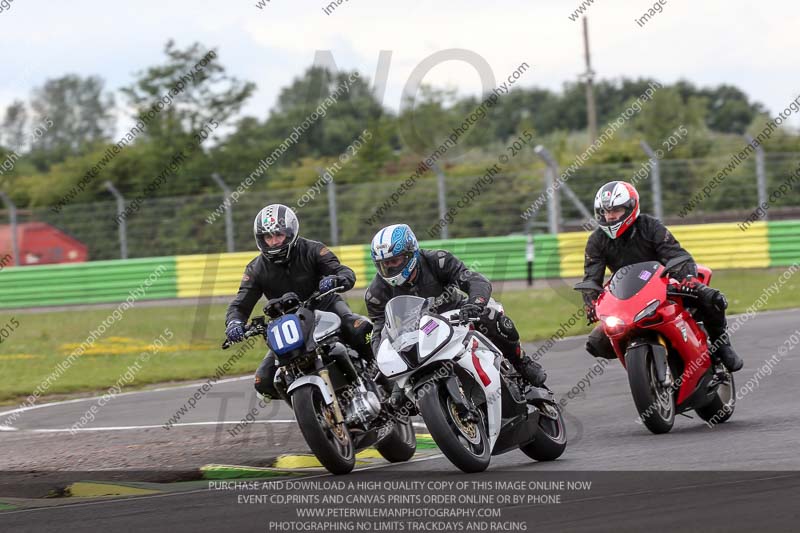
32	350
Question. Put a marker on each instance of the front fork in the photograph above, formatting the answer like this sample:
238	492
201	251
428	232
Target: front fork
464	406
323	373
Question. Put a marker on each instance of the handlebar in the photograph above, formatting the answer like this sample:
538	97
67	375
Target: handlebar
681	294
673	290
456	320
251	331
316	295
259	329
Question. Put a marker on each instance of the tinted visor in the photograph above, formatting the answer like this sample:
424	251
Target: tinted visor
392	266
600	212
267	235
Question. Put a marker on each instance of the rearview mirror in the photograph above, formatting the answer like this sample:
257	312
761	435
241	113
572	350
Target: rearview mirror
674	262
588	286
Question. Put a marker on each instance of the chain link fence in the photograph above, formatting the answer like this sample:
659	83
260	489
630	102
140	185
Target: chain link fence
179	225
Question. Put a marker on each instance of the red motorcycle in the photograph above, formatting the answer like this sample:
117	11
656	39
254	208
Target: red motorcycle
661	345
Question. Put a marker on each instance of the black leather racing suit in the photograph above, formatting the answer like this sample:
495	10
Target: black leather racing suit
646	240
309	261
442	276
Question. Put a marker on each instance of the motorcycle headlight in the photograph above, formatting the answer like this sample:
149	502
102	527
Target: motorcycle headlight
647	311
613	322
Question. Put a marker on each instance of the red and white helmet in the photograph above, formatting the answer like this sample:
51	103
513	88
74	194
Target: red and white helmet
613	195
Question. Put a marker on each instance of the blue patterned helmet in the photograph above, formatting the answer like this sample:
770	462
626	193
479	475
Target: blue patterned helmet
395	252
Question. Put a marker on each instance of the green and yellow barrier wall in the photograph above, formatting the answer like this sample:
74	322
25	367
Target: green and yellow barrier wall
719	246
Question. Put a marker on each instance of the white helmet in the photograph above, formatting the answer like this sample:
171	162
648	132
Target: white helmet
276	218
395	252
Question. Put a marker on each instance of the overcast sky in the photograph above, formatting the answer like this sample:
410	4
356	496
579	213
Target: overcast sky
748	44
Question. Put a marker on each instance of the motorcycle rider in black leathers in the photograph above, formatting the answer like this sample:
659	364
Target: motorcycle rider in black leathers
404	269
624	237
290	263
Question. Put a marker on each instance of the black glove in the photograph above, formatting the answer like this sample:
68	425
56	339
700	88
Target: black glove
235	331
589	304
690	286
469	311
432	303
591	314
330	282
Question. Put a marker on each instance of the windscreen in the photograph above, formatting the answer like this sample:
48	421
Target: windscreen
402	320
630	279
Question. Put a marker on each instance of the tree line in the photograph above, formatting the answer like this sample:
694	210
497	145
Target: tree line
82	125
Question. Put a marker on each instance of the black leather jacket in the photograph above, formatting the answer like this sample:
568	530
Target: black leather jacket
647	240
309	261
440	275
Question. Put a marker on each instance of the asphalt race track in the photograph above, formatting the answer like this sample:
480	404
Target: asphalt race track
744	474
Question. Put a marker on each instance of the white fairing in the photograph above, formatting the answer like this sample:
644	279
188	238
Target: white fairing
389	361
432	332
316	381
326	323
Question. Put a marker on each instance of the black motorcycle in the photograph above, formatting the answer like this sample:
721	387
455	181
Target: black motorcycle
336	402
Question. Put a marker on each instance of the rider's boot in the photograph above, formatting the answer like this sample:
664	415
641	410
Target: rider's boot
722	349
530	370
719	343
264	378
366	354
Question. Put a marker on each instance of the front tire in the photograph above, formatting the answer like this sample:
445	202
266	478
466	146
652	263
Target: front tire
721	408
463	442
551	439
400	445
654	402
330	443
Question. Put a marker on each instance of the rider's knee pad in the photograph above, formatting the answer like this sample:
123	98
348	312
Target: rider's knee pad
507	328
265	386
357	329
265	377
711	298
494	323
591	348
596	349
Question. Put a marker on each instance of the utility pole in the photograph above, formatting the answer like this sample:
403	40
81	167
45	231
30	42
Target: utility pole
228	210
591	112
123	224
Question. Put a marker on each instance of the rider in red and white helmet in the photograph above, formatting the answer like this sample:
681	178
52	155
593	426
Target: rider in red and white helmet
616	207
625	237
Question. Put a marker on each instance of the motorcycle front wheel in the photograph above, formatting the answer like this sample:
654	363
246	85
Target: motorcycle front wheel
462	441
654	402
329	442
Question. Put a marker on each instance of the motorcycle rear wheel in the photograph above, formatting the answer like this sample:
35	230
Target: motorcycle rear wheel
400	445
722	406
551	439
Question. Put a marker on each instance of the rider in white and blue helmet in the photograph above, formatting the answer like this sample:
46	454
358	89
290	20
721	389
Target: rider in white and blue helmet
405	269
395	252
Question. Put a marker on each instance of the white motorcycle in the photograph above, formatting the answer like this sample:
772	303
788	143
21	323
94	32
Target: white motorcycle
473	402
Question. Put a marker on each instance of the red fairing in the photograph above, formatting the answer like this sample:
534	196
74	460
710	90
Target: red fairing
704	273
671	321
485	379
